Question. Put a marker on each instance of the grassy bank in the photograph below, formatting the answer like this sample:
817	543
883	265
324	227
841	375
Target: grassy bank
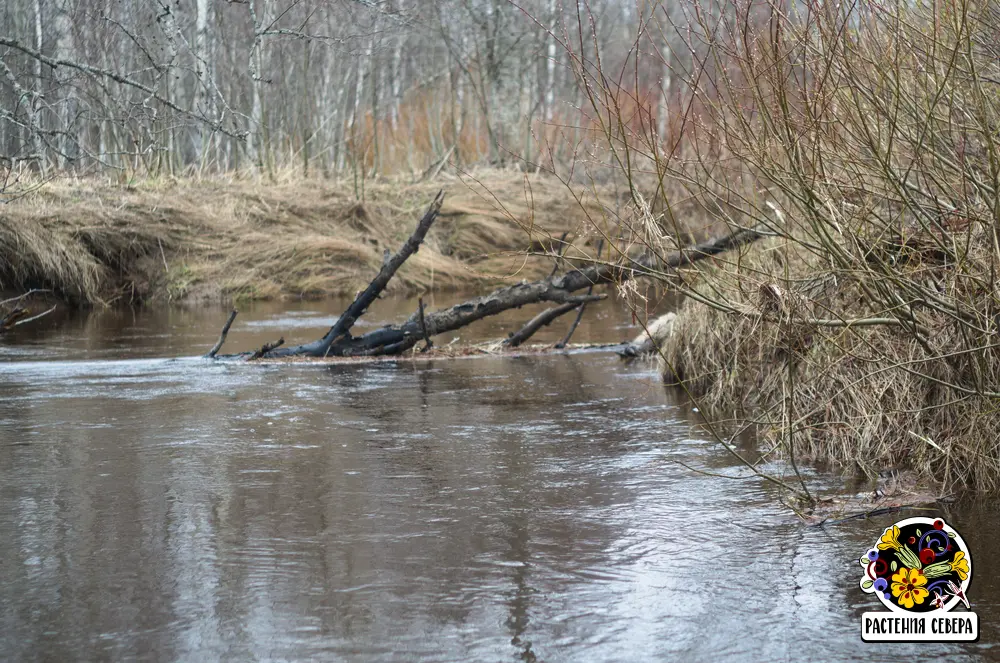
798	354
93	241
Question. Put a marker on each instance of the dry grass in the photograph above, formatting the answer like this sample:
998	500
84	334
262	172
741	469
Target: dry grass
863	138
868	397
94	241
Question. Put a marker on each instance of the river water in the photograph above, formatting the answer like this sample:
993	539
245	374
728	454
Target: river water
488	509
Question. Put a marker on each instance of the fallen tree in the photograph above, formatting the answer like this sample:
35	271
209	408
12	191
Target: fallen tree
396	339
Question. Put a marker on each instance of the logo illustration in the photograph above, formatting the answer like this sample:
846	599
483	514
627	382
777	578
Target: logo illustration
920	569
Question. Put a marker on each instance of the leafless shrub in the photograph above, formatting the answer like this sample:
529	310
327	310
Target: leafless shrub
863	137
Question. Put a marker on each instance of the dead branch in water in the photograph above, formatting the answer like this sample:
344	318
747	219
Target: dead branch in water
396	339
222	337
18	315
547	317
583	307
423	326
266	348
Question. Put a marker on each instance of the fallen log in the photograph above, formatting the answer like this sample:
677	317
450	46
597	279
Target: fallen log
651	338
396	339
390	264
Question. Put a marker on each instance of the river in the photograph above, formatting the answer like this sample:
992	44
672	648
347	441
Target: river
156	506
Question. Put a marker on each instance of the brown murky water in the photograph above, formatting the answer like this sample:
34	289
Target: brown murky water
481	509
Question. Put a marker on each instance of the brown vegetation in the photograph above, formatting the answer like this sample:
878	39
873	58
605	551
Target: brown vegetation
863	139
849	387
233	238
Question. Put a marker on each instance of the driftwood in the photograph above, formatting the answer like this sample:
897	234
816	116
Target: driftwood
222	337
651	338
422	325
16	315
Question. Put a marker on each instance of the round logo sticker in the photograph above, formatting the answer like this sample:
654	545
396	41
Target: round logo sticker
918	565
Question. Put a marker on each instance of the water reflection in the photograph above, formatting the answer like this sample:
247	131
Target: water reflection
174	331
487	509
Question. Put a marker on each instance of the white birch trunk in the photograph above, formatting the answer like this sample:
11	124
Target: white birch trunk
36	116
203	98
257	134
397	79
666	75
69	140
550	65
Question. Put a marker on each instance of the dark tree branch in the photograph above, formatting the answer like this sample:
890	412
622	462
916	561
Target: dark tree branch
19	298
341	329
559	254
572	328
97	72
423	326
546	317
583	307
266	348
222	337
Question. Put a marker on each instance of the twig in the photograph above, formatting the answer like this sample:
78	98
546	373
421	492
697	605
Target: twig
423	326
18	315
34	317
559	254
579	315
163	255
435	169
23	296
222	337
572	328
865	515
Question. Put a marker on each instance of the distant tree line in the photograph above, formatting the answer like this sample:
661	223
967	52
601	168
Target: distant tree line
332	86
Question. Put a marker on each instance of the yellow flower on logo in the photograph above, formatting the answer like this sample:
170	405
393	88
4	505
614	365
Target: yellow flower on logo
890	539
908	587
960	565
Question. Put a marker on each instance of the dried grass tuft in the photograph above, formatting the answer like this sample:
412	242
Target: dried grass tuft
93	241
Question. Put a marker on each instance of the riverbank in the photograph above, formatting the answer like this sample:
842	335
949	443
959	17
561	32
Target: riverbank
806	361
96	242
